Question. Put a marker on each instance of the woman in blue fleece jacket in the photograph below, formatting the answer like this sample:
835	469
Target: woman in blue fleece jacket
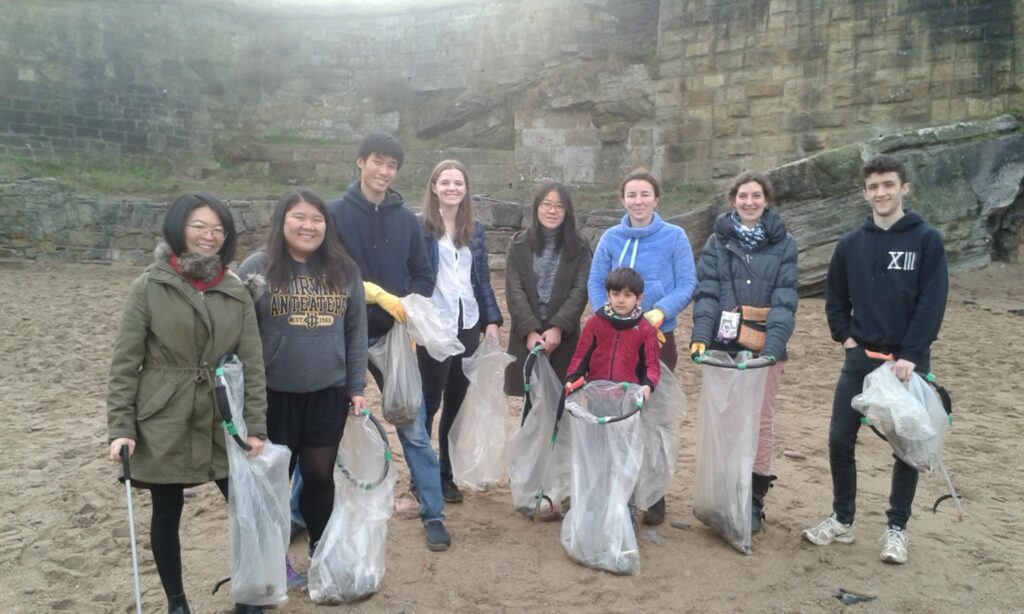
661	253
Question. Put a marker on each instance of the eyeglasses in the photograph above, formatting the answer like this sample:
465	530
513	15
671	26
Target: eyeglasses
202	230
550	206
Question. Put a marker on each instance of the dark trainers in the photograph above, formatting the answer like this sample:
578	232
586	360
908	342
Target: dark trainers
295	579
437	536
655	514
450	492
178	604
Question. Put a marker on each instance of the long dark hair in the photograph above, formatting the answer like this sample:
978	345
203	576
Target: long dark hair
567	239
431	210
182	207
330	261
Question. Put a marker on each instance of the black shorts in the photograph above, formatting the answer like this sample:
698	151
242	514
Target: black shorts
307	419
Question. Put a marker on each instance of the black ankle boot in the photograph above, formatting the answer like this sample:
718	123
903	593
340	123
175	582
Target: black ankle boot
759	488
177	604
241	608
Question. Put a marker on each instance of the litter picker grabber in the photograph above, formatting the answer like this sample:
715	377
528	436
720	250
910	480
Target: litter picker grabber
220	399
126	464
531	360
589	417
366	484
756	362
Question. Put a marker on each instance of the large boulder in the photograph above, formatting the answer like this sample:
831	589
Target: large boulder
965	180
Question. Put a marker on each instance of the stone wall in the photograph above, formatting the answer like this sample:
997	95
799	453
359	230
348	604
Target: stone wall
579	90
752	84
966	179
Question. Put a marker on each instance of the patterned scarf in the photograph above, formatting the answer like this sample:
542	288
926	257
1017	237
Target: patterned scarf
749	238
609	313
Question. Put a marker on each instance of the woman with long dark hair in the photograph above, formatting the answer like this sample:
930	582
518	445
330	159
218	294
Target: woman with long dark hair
546	284
184	312
462	295
312	320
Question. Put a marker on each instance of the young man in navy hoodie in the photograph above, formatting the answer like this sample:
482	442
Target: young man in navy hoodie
886	295
385	240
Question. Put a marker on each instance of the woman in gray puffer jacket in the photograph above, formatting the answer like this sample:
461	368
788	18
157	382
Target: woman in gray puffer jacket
749	260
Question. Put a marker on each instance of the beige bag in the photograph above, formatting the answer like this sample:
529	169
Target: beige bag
753	325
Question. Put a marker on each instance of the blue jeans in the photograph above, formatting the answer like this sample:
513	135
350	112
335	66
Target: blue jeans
842	438
419	457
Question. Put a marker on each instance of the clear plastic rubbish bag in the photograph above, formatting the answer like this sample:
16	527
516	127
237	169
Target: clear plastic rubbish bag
258	511
428	329
478	435
660	420
348	563
598	529
395	356
728	419
539	476
909	414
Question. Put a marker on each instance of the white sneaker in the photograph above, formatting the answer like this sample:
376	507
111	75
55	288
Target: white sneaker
894	546
830	530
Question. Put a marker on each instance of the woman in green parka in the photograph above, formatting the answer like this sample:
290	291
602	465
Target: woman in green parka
184	312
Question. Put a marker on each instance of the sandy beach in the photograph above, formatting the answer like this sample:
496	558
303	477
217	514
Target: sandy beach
64	534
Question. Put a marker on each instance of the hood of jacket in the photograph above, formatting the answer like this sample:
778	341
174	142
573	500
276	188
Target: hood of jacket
632	232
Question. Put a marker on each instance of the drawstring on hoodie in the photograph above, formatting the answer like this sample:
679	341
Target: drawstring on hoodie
632	260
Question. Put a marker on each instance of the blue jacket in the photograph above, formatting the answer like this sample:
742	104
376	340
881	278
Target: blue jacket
887	288
386	242
660	252
729	277
482	290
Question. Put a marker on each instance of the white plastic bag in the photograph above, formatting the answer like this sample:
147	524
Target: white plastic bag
728	419
535	469
258	510
349	560
395	356
478	434
909	414
660	420
598	530
428	329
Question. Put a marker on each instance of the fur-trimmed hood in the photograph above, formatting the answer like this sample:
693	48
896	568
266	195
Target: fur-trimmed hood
192	266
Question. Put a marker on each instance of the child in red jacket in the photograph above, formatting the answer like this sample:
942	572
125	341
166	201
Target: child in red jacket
618	343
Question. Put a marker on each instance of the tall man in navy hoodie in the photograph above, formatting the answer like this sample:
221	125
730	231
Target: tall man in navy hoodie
385	240
886	286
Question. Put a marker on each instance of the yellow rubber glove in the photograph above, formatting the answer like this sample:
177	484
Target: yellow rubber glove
656	317
375	295
661	337
697	349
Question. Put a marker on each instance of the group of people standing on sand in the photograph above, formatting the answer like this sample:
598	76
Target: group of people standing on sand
302	312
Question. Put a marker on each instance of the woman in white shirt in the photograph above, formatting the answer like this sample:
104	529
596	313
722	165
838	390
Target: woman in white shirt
463	297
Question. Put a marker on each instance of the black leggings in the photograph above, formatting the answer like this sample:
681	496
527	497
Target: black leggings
168	501
316	501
